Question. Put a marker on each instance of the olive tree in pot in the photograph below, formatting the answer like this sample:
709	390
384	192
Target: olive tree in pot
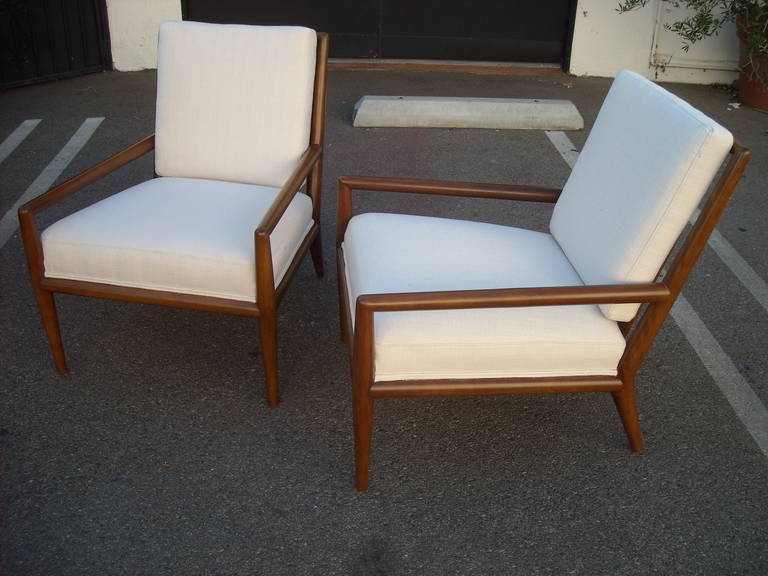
707	18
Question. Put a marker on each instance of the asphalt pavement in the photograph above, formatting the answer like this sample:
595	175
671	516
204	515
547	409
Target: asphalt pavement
157	453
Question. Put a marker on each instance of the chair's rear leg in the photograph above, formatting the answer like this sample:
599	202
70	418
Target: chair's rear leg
343	303
268	333
627	407
316	250
47	306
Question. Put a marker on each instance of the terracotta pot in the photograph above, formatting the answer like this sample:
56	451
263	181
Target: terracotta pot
752	91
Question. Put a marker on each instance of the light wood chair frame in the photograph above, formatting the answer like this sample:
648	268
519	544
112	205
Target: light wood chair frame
268	296
659	295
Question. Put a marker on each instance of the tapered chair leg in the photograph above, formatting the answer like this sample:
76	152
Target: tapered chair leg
47	306
268	333
627	407
316	250
363	425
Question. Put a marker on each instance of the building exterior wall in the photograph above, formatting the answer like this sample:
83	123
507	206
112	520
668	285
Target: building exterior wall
604	41
133	26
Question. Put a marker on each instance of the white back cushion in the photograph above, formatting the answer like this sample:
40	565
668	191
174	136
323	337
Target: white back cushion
233	102
649	159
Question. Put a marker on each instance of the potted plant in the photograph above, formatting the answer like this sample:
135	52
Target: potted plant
707	18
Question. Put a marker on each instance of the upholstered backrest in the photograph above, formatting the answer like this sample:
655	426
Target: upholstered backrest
647	162
234	102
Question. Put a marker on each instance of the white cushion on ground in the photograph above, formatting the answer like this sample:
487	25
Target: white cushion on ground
648	161
389	253
233	102
176	234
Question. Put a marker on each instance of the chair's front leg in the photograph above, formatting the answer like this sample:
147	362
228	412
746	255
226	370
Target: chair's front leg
362	378
45	302
362	418
47	306
268	336
267	302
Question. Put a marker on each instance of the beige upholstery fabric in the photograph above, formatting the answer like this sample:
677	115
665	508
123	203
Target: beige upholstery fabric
234	102
648	161
388	253
184	235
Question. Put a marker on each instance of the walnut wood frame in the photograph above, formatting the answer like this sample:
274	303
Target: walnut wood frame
268	296
659	295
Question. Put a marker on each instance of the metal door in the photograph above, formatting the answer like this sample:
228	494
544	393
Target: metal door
503	30
47	39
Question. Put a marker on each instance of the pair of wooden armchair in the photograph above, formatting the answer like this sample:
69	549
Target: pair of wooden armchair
429	306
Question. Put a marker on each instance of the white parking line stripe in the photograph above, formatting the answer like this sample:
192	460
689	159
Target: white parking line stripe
740	395
732	384
740	268
563	145
48	176
17	137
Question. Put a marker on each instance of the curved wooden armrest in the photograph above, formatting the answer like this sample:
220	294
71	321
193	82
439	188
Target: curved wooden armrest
288	191
89	176
450	188
513	297
437	187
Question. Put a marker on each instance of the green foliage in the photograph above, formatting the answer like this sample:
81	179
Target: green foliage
707	18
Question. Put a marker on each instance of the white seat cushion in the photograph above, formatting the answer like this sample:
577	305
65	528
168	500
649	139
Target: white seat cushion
176	234
390	253
234	102
649	159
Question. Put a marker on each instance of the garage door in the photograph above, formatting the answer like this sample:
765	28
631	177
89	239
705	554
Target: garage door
47	39
501	30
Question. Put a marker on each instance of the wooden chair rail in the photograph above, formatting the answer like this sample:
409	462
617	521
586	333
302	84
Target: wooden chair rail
514	297
494	386
437	187
317	132
89	176
309	239
146	296
451	188
281	202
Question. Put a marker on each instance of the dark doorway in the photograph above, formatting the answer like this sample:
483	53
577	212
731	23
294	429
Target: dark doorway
48	39
494	30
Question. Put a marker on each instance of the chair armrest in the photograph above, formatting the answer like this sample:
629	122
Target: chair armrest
30	235
89	176
288	191
514	297
437	187
367	304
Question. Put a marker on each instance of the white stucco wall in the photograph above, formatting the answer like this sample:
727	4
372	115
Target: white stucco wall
133	26
605	42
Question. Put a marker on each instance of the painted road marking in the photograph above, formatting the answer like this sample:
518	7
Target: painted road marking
740	268
17	137
48	176
732	384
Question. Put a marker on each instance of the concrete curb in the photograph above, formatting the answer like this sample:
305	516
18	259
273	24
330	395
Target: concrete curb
453	112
